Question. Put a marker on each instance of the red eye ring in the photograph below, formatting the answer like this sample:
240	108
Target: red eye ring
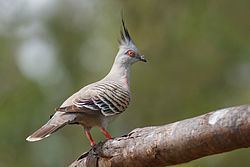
131	53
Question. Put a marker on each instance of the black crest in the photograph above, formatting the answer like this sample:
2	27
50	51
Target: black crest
125	37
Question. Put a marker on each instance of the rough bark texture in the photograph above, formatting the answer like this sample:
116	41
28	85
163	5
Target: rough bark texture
215	132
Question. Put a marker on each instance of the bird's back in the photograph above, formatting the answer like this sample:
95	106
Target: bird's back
100	100
109	97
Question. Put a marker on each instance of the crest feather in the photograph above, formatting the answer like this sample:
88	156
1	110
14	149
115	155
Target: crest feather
125	37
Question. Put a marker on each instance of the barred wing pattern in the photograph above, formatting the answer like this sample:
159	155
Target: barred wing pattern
109	97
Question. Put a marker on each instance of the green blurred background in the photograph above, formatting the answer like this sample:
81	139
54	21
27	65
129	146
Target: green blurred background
199	61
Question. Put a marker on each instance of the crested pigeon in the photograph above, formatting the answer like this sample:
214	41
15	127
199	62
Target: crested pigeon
98	103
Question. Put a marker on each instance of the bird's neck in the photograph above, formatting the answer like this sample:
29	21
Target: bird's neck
120	72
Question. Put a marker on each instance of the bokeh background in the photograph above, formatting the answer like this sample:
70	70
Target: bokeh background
199	61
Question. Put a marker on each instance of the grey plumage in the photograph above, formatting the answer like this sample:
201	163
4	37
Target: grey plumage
98	103
110	97
58	120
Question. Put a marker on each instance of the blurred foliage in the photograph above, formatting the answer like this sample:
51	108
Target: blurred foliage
199	61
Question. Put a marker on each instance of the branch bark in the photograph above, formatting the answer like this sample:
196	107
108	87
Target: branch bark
183	141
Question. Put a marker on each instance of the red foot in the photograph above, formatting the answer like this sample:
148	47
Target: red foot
106	133
92	142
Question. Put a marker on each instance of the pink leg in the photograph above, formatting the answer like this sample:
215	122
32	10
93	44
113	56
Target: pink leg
92	142
106	133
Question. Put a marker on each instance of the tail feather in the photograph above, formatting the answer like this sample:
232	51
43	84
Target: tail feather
45	131
58	121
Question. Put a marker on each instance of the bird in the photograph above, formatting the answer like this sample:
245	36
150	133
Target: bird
96	104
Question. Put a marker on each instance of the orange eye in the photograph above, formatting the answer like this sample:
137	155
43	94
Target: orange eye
131	53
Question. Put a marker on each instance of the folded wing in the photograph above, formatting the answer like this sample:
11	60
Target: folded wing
108	97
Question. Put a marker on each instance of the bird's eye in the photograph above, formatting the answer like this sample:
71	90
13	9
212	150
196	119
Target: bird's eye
131	53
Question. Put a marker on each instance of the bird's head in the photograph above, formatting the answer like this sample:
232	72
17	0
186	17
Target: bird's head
128	52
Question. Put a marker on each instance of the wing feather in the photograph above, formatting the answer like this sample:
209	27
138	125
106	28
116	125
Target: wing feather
109	98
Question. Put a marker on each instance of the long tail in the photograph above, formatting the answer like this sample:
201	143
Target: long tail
59	120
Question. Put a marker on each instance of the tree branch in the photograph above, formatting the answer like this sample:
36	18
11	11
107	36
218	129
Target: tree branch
183	141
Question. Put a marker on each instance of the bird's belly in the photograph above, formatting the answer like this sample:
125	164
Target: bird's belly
89	120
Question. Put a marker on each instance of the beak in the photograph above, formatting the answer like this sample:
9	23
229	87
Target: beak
142	58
